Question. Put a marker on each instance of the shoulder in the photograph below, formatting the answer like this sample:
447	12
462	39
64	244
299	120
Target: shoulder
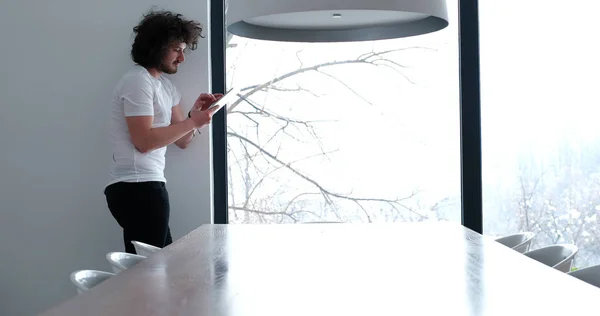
137	74
135	78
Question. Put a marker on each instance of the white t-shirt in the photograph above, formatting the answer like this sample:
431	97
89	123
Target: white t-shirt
138	93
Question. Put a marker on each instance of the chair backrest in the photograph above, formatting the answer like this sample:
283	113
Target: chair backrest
559	257
144	249
84	280
519	242
120	261
589	275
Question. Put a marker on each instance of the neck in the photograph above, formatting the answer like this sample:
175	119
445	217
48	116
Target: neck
154	72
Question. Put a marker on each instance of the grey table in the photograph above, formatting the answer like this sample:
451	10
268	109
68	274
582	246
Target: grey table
336	269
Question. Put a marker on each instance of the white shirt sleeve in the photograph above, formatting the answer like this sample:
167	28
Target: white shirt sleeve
137	93
175	94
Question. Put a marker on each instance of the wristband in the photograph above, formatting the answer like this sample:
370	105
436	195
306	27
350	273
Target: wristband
195	130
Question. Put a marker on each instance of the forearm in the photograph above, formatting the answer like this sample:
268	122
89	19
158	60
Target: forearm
184	141
163	136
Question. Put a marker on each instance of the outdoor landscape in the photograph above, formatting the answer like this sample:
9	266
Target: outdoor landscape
369	131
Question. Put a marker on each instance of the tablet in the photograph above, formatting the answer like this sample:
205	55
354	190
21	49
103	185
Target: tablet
229	97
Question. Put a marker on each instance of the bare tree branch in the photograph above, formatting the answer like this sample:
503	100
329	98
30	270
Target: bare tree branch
265	176
257	152
245	209
373	53
297	89
369	58
327	193
345	85
300	59
364	211
297	197
276	117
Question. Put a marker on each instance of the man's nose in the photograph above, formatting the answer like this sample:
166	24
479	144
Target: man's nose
181	57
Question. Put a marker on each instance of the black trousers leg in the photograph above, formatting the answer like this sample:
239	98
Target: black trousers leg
142	209
169	239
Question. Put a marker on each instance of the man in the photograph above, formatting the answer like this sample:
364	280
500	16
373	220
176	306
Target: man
146	118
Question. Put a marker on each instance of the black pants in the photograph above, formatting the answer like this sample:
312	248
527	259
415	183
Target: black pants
142	210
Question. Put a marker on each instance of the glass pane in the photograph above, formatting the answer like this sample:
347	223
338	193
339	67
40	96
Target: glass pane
345	132
541	141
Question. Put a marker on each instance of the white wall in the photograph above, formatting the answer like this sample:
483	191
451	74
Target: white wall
59	63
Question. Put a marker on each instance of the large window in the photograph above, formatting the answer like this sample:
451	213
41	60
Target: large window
541	137
345	132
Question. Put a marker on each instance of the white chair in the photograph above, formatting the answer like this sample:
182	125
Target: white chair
589	275
559	257
120	261
519	242
84	280
144	249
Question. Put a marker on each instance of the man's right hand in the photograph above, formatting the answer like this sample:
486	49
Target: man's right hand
201	118
199	114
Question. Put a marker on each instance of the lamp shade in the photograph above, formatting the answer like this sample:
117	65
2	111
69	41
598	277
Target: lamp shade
334	20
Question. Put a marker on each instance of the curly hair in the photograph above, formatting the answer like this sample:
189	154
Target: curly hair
159	29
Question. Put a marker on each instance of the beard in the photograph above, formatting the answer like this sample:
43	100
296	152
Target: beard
168	68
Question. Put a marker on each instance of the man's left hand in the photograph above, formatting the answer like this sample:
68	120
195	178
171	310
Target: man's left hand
205	100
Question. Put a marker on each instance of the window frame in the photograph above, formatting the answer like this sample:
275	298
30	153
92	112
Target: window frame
470	115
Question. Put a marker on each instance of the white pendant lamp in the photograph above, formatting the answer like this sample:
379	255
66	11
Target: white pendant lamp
334	20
